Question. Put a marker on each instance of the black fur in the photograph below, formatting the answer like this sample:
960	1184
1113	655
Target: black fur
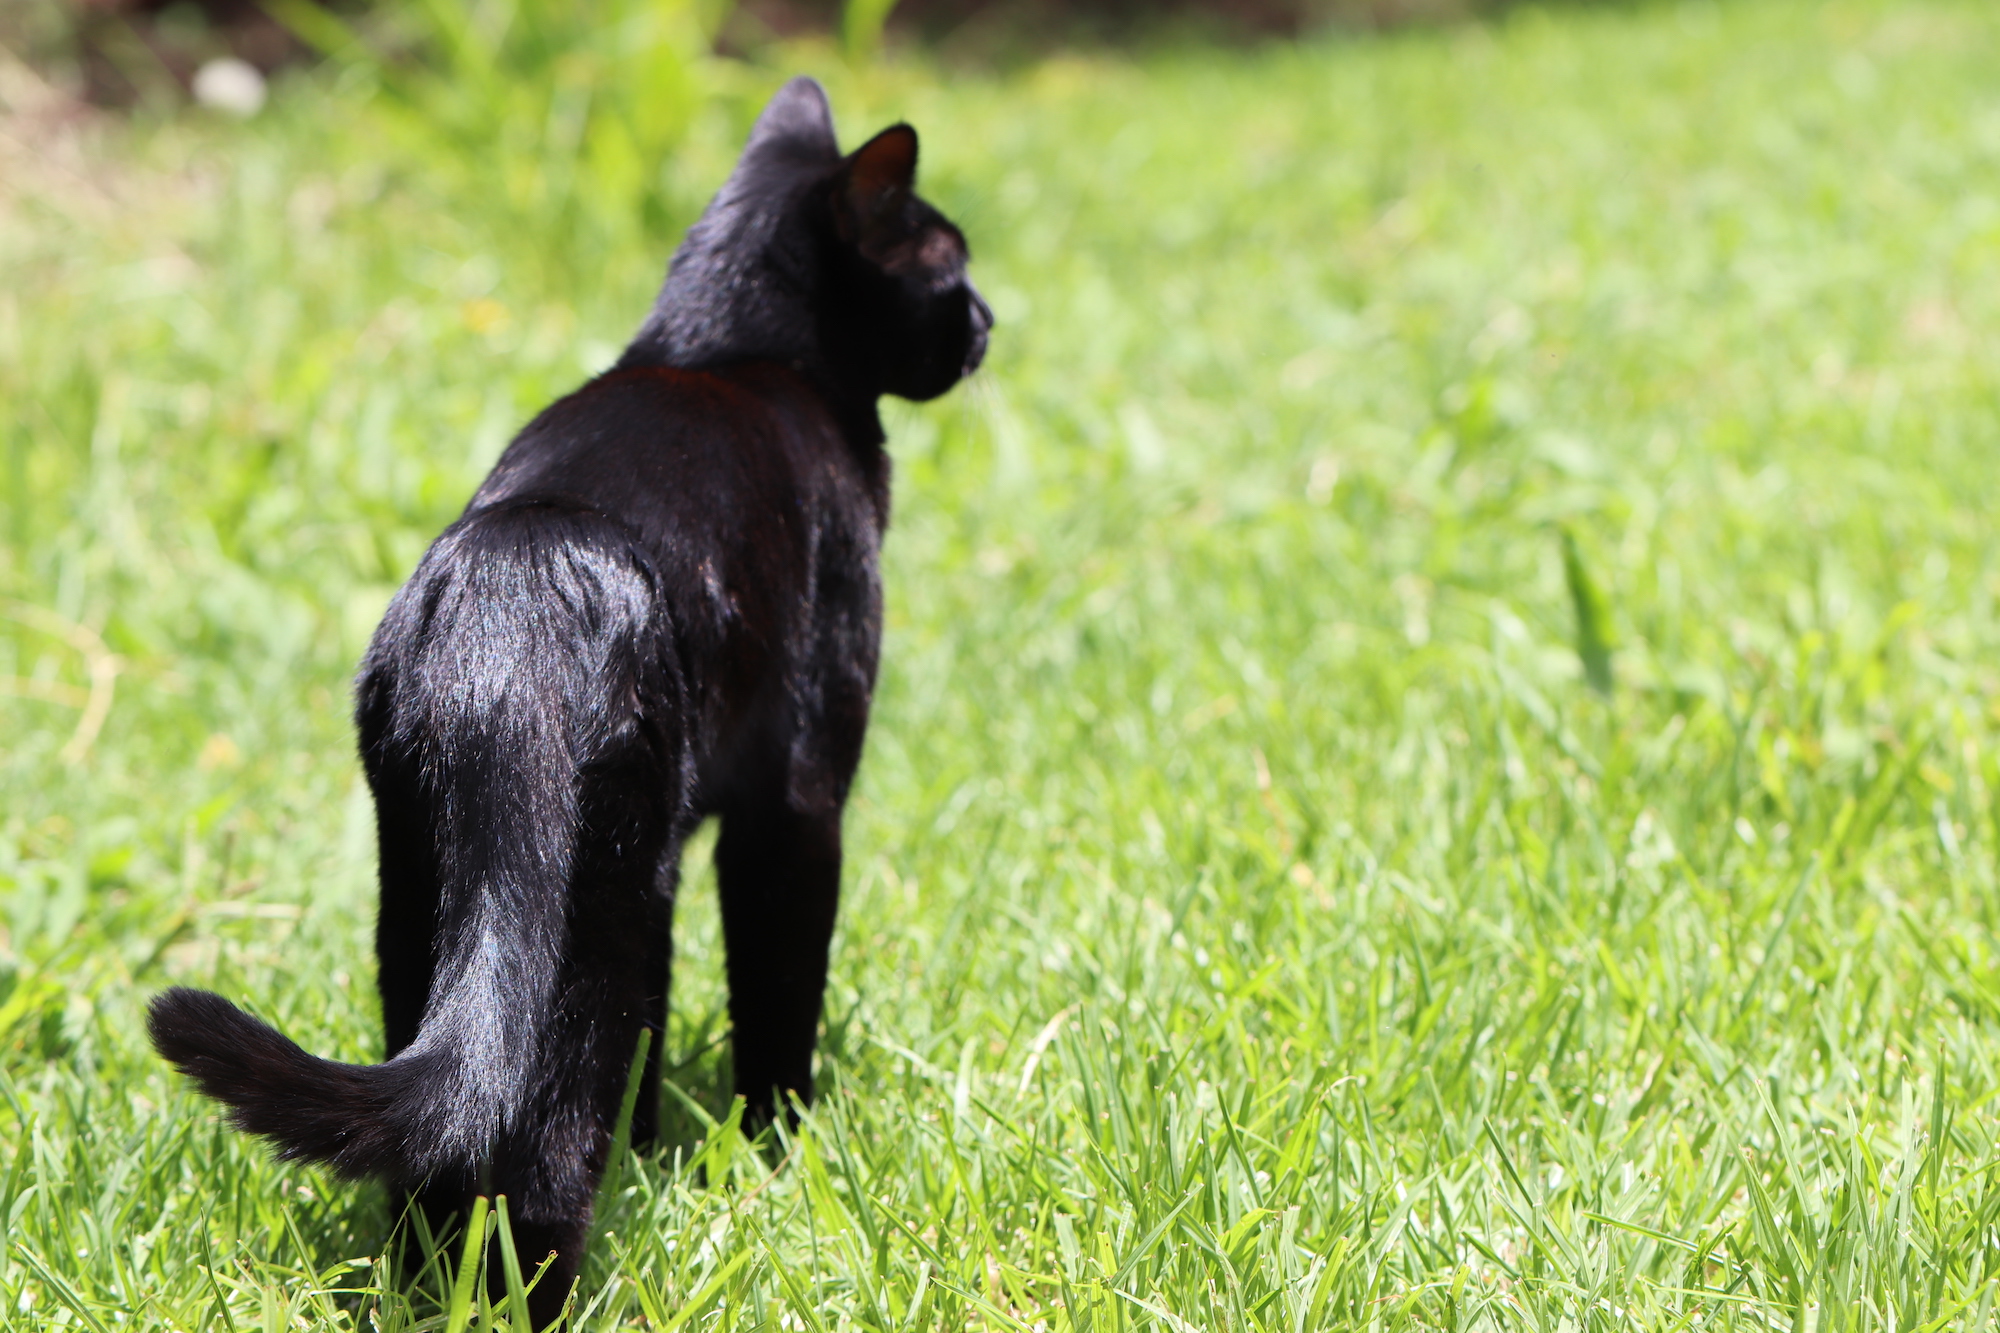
663	603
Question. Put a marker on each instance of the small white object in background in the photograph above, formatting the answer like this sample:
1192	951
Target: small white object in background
231	85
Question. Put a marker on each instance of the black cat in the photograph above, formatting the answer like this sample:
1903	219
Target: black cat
663	603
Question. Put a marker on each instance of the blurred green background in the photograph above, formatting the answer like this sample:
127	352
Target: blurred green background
1435	756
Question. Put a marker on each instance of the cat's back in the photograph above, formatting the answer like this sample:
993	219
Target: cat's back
659	446
756	513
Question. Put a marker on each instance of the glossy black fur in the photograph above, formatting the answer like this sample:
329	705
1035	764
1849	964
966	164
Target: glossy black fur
662	604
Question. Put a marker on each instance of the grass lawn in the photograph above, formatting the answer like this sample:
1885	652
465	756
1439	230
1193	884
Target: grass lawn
1437	749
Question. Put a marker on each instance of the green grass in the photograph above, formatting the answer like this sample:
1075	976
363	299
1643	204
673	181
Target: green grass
1260	912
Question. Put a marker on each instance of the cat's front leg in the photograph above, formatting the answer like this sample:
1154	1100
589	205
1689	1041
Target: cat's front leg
778	869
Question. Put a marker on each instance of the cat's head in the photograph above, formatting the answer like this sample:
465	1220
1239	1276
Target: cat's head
828	262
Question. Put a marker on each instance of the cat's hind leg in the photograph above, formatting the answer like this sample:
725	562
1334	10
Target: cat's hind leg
613	986
523	717
629	789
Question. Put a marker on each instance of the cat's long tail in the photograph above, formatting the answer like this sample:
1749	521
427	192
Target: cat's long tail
319	1110
504	683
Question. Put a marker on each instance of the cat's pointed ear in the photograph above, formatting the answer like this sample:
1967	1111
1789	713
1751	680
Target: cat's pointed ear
877	182
799	117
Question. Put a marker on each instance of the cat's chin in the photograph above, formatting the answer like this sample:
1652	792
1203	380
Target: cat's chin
924	392
939	375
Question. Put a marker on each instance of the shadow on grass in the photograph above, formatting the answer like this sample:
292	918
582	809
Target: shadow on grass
694	1098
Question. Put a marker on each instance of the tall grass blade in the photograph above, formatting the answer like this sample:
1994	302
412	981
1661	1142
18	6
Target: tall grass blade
861	26
621	1134
471	1263
510	1267
1593	619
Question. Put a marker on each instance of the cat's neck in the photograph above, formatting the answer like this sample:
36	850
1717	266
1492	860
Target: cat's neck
716	310
719	318
681	338
740	288
858	416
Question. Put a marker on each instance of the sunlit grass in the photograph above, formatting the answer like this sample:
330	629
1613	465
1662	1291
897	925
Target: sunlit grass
1255	918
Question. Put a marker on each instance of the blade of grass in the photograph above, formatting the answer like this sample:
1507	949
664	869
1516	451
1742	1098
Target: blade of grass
470	1263
621	1134
510	1267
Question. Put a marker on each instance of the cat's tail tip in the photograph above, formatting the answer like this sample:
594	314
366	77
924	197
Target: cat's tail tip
310	1108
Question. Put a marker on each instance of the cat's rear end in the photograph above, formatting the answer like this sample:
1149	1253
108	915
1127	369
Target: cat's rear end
662	604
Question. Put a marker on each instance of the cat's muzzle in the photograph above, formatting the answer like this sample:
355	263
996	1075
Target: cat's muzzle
982	324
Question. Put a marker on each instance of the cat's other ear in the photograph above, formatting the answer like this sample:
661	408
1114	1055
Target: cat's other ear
876	184
798	117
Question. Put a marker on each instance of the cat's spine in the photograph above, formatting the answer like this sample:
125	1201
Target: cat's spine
513	659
